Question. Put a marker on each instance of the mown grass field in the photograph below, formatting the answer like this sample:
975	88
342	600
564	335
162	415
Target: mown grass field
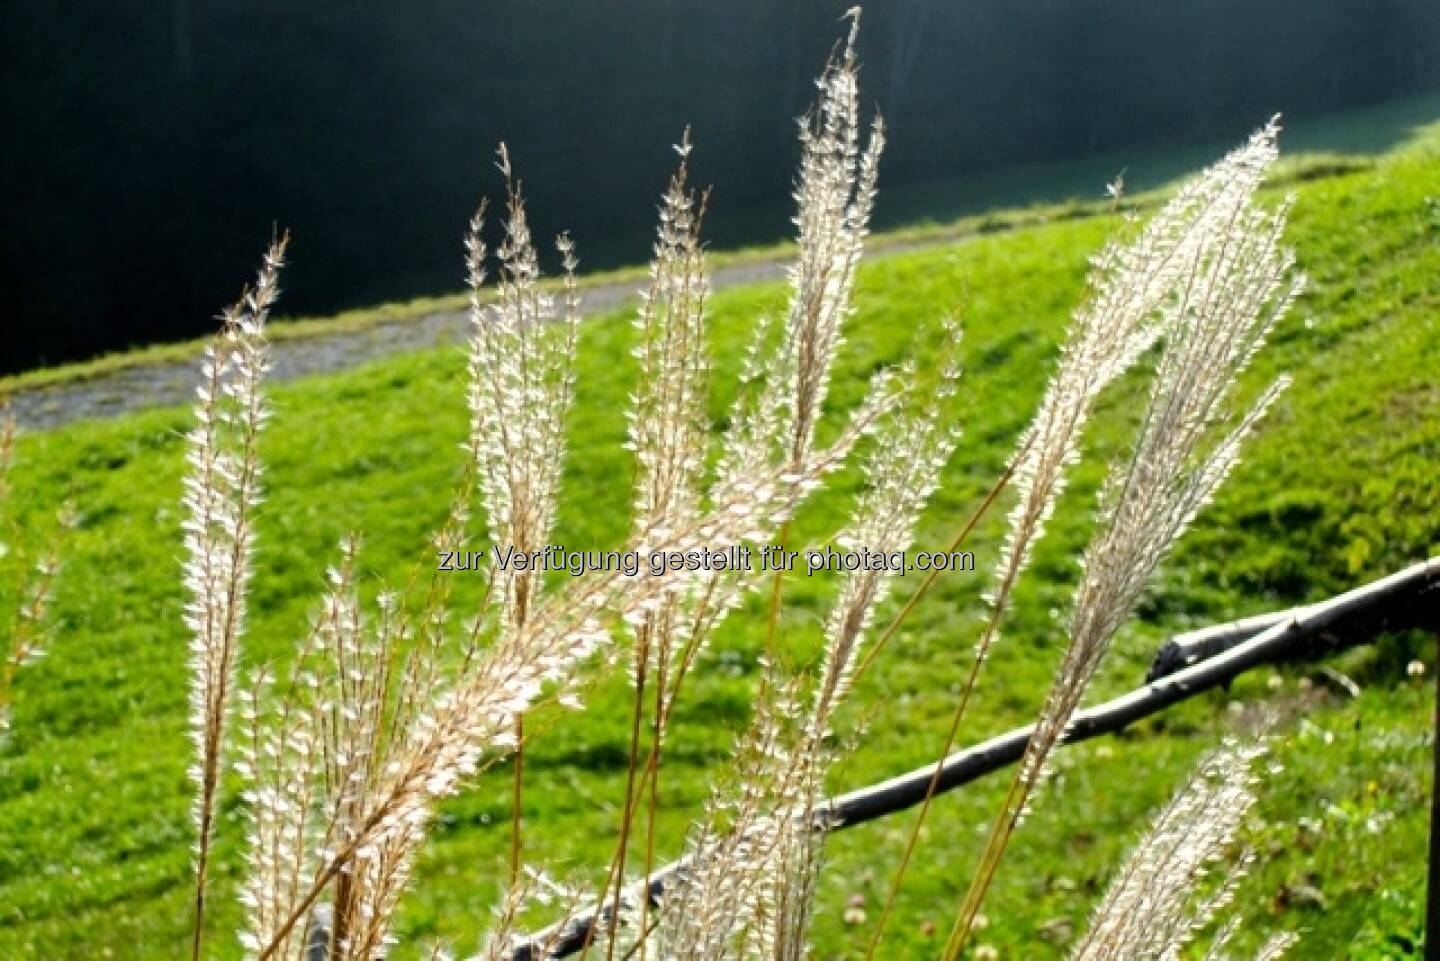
1341	485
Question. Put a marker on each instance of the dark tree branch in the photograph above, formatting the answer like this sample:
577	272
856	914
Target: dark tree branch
1187	665
1392	603
1183	650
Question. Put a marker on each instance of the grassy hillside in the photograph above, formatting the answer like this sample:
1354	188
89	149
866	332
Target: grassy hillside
1341	485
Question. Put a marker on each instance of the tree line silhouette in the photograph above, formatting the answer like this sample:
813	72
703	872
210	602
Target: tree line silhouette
153	146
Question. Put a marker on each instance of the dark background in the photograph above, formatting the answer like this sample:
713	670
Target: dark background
150	146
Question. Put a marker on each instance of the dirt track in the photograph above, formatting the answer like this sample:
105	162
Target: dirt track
166	383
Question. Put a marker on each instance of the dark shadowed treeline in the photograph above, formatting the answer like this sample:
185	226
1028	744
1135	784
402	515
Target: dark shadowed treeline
150	146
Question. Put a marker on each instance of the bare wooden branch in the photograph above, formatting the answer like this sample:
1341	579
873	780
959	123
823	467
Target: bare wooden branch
1182	650
1388	606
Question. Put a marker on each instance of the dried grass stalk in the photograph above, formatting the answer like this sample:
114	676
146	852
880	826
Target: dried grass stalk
222	491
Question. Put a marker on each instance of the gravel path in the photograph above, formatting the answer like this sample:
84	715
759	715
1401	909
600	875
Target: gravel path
169	382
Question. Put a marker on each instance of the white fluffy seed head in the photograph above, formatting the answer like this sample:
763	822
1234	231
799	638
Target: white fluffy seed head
1153	907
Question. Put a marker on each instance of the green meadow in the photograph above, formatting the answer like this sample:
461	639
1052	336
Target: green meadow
1340	485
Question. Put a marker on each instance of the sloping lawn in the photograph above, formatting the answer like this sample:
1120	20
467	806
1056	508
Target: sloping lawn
1341	485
